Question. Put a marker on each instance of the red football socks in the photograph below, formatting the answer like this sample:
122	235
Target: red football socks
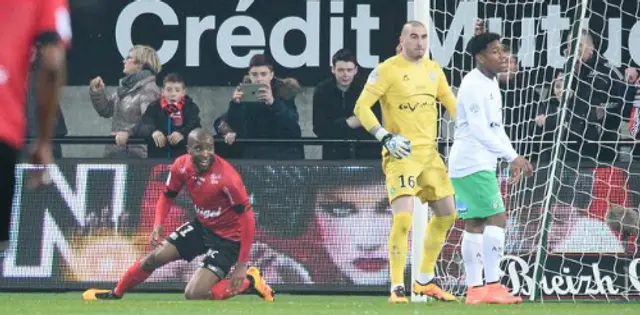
134	276
221	290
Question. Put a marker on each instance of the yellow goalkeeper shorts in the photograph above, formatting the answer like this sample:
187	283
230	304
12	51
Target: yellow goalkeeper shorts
423	174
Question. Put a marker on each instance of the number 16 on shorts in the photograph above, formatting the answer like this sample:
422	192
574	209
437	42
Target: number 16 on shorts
407	181
401	185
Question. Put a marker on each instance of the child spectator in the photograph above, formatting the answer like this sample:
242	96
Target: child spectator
168	121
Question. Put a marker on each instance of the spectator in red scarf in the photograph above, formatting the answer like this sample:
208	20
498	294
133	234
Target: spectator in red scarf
167	121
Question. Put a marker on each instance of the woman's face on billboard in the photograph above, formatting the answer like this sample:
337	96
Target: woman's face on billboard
354	223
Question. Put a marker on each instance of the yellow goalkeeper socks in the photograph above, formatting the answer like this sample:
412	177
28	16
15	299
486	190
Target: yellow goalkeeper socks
433	240
398	246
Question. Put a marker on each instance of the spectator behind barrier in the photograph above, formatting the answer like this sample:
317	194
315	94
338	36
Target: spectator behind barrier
228	149
520	101
274	116
135	91
547	118
60	129
333	103
167	121
596	103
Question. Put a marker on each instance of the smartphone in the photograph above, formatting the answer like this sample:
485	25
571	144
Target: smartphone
250	92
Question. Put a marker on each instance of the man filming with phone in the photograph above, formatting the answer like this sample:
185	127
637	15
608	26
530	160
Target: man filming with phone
263	106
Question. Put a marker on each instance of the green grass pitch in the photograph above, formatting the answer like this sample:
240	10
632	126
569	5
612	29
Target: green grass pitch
174	304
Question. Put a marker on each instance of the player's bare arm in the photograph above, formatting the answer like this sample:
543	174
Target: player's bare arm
162	209
247	222
51	78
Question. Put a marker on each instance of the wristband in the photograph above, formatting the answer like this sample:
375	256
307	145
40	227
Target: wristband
381	133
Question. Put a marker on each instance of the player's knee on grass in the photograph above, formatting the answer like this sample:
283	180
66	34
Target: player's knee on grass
194	293
199	287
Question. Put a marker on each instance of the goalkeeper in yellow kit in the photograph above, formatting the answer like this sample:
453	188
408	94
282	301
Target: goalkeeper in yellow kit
407	86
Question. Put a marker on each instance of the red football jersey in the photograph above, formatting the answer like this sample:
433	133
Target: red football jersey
215	193
23	22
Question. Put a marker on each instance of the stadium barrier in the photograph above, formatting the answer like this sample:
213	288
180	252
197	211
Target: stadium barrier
322	227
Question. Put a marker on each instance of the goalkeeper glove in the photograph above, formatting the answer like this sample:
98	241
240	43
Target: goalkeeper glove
398	146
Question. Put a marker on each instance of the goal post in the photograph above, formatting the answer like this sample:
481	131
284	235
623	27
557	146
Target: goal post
578	21
421	13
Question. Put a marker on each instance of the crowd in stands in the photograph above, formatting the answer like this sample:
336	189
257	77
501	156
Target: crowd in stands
601	101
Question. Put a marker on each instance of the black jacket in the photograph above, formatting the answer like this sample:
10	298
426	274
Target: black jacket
599	87
546	134
155	118
331	108
277	121
594	112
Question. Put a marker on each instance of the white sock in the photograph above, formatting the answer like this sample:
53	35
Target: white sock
493	250
472	258
425	278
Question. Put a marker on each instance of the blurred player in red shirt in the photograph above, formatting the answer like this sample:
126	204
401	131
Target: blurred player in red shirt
25	23
223	229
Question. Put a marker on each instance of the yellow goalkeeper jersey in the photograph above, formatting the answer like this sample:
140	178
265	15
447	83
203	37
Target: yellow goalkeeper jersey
407	92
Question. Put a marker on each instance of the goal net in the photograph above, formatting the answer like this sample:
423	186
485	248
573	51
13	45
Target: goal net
568	106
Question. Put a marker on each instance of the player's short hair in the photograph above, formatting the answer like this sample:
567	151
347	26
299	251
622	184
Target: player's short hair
414	23
480	42
260	60
344	55
173	77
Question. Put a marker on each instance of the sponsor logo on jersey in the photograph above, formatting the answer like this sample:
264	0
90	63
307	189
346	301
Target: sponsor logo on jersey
462	207
215	178
208	213
413	106
198	179
474	108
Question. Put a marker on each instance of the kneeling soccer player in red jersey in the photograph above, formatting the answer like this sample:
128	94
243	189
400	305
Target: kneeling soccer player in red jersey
223	230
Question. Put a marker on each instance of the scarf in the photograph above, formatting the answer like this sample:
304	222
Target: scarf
129	81
174	111
171	108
